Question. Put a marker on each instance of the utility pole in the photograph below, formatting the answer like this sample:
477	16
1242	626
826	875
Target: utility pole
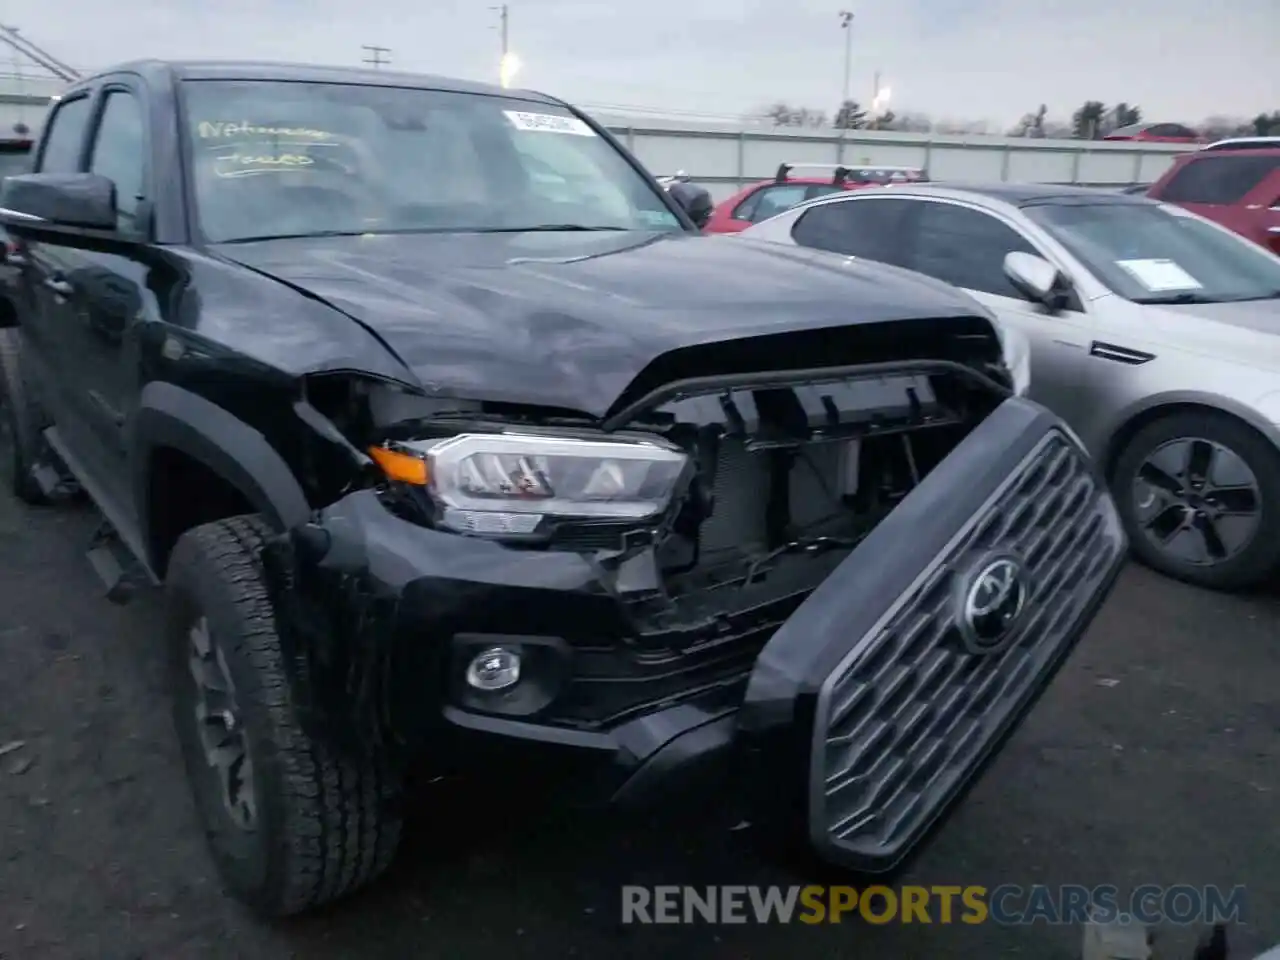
846	18
375	56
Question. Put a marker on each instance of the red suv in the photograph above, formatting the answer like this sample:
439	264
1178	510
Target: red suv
1239	189
1155	133
760	201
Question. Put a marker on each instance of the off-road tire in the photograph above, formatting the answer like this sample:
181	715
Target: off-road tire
24	420
327	823
1256	562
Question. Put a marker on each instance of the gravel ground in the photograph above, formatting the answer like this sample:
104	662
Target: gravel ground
1153	759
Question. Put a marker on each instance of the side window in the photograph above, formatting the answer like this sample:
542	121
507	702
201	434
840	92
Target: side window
776	200
747	207
822	190
769	201
65	135
966	248
119	153
874	229
1221	180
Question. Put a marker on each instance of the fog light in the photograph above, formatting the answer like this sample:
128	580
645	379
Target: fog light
495	669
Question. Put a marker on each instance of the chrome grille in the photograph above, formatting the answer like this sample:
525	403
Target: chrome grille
909	713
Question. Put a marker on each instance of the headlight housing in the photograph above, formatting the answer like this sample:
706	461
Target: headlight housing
1017	357
517	485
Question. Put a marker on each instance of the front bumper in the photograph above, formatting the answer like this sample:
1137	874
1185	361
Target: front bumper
859	713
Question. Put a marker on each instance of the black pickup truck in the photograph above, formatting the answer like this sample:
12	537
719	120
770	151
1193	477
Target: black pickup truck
450	440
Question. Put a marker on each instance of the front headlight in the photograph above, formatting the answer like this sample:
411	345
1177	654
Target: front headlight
506	484
1017	357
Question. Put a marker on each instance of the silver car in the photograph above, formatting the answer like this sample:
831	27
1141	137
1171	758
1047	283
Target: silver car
1154	332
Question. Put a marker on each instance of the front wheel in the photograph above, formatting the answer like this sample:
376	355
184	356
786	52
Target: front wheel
291	822
1200	496
22	419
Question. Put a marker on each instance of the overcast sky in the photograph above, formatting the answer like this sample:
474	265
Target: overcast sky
973	59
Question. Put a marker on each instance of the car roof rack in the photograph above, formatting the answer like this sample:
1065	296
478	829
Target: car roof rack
838	170
843	173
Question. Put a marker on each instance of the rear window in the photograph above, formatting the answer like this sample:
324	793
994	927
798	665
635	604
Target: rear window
14	159
1220	180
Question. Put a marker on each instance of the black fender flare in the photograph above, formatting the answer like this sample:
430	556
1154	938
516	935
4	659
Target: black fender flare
170	416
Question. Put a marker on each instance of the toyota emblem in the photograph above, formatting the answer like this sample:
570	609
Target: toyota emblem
992	601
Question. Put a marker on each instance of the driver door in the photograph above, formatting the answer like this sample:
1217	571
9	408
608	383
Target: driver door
966	246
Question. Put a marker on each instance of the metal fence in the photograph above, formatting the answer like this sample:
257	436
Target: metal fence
723	159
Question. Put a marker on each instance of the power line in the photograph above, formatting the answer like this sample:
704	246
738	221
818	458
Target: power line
375	56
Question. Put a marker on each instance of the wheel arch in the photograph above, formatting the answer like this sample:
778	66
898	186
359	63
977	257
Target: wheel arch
1154	408
220	465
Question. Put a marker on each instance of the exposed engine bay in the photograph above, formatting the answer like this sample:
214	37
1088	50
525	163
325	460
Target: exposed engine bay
785	475
789	480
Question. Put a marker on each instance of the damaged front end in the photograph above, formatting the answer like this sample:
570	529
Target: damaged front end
754	561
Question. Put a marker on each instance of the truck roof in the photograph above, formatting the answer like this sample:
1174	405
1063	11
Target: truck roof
161	70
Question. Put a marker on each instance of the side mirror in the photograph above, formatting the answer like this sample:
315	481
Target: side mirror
84	200
1037	279
694	200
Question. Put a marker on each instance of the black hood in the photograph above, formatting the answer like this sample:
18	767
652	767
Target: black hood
570	319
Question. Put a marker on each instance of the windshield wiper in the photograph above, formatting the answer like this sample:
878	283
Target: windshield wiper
299	236
1177	298
551	228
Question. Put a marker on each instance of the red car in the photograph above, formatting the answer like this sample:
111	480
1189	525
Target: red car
1239	189
1155	133
760	201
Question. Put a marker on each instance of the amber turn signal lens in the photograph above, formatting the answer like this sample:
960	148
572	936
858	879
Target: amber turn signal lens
404	467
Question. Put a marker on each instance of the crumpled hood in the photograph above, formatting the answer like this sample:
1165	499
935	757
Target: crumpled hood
570	319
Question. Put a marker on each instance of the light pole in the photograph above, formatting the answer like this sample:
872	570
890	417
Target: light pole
846	18
509	63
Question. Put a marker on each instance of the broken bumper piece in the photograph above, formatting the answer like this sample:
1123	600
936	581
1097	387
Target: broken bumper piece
862	716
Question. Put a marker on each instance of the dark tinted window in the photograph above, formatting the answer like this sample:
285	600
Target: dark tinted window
119	153
61	151
769	201
822	190
1170	130
1219	179
14	161
965	248
873	229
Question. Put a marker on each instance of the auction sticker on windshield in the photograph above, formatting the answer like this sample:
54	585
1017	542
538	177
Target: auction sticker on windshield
1159	276
548	123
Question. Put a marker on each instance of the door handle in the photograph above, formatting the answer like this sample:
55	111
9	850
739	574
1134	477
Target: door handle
59	286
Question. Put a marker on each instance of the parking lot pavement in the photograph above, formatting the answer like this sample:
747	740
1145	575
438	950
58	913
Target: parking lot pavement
1152	759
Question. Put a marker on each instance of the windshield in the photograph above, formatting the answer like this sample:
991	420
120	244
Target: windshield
1151	253
300	159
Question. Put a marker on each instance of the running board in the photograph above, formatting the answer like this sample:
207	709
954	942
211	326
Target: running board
115	555
114	564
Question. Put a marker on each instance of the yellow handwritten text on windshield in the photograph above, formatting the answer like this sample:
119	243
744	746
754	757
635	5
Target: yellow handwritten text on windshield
247	165
229	130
